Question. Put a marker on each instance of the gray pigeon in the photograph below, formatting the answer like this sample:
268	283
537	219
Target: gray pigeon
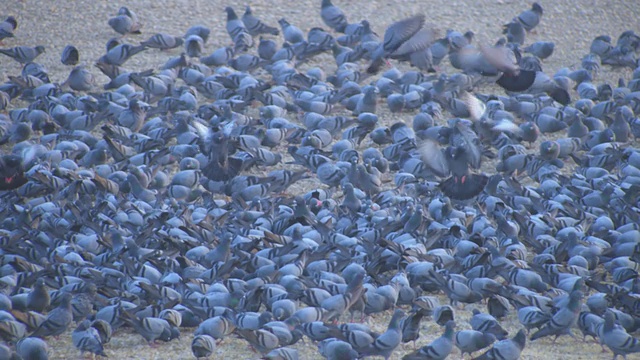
126	22
163	41
333	16
438	349
509	349
70	55
255	26
119	54
616	338
470	341
540	49
563	320
23	54
203	346
57	321
87	338
530	18
32	348
387	341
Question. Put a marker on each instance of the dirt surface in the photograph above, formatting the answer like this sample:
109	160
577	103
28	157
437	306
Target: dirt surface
570	24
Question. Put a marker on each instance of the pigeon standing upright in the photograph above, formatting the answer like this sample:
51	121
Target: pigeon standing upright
530	18
438	349
562	321
333	16
616	338
387	341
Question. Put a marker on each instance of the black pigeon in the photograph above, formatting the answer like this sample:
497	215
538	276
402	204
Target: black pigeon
11	172
462	185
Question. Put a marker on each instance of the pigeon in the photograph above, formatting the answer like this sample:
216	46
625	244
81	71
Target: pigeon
203	346
32	348
562	321
470	341
255	26
540	49
126	22
39	299
530	18
401	39
616	338
119	54
439	348
23	54
57	321
152	328
7	27
333	16
387	341
462	184
509	349
87	338
70	55
163	41
12	174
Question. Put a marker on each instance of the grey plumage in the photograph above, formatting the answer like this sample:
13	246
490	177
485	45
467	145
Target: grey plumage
439	348
616	338
87	338
387	342
23	54
203	346
119	54
333	16
126	22
470	341
540	49
255	26
163	41
562	321
32	348
57	321
531	18
509	349
70	55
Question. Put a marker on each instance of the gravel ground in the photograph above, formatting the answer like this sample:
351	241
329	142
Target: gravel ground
570	24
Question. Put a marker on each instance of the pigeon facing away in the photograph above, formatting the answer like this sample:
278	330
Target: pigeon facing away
32	348
70	55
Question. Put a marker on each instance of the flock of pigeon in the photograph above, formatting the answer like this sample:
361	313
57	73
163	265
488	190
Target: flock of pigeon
162	201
